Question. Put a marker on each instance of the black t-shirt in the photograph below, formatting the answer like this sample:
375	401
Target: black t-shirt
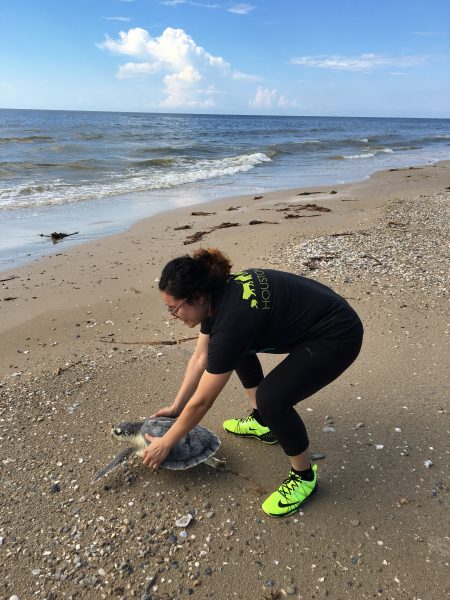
260	310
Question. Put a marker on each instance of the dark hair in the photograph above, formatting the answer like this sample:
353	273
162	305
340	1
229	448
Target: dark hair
190	276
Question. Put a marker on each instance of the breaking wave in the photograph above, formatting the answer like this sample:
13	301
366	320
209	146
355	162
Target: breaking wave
59	191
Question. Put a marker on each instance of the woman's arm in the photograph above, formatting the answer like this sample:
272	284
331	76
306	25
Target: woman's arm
192	376
207	391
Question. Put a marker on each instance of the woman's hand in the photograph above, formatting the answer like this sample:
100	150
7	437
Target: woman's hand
156	452
167	411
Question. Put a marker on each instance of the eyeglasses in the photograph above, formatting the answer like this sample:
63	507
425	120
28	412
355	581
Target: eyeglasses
174	310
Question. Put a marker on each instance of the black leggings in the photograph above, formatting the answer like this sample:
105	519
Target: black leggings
309	367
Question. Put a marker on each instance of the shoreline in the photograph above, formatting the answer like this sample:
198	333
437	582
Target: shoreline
75	359
107	220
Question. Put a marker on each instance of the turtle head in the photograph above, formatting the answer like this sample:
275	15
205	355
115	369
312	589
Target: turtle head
129	433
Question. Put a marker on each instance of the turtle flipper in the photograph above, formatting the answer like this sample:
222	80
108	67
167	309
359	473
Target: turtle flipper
216	463
119	459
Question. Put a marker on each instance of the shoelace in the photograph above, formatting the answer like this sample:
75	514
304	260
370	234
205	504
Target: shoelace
245	420
288	485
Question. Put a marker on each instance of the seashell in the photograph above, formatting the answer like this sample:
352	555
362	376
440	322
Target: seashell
184	520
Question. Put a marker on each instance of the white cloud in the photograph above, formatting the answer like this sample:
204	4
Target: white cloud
241	9
265	98
245	76
176	56
179	91
122	19
133	43
187	75
365	62
132	69
178	88
283	102
174	47
428	33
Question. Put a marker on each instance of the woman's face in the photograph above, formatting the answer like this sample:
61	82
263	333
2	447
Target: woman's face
191	313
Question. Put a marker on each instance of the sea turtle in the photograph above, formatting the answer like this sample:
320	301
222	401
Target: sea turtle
195	447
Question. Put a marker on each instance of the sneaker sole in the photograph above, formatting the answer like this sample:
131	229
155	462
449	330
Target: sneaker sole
297	508
256	437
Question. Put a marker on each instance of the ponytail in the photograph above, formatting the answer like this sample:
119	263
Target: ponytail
190	276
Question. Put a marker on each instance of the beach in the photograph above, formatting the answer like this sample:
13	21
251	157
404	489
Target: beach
94	174
86	343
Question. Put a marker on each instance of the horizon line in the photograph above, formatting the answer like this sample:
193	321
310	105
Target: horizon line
219	114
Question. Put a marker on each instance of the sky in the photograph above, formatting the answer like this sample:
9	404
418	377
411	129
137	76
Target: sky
280	57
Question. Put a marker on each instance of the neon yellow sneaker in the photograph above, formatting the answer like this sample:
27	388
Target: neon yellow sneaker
249	427
291	495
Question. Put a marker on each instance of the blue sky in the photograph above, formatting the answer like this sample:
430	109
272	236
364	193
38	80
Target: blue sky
330	57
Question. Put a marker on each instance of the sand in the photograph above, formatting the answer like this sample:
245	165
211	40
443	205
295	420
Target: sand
75	358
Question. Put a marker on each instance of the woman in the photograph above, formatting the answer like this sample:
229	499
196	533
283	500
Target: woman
241	314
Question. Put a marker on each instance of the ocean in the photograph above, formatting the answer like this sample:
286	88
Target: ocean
98	172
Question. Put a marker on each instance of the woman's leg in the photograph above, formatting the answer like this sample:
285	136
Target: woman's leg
249	371
308	368
251	375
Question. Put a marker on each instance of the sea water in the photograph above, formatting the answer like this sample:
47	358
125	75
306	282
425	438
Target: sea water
98	172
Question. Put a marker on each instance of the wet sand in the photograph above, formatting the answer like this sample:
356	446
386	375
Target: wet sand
75	358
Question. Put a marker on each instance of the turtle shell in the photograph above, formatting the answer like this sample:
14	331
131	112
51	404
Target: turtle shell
193	448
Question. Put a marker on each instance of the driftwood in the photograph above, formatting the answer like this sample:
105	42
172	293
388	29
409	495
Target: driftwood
199	235
57	237
378	262
233	208
183	227
291	216
9	278
298	207
224	226
257	197
396	224
313	262
60	370
151	343
407	169
8	298
195	237
256	222
310	193
314	207
201	213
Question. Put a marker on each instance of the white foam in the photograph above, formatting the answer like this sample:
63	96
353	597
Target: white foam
369	154
58	192
355	156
